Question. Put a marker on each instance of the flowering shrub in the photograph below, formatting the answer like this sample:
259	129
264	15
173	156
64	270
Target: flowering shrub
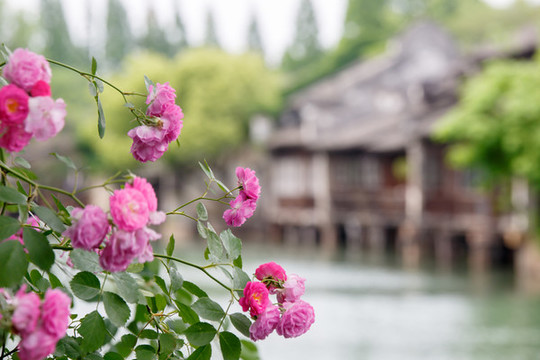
74	278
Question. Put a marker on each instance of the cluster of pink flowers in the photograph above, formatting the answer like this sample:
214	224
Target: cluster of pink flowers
151	141
244	205
40	324
291	317
132	210
26	106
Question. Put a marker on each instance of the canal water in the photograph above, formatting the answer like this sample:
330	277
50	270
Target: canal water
370	307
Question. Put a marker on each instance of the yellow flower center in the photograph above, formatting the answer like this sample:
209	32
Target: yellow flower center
12	105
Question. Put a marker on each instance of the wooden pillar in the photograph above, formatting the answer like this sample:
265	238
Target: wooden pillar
323	201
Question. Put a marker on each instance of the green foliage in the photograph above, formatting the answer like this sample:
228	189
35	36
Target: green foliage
8	226
85	285
210	35
254	36
120	40
39	250
13	263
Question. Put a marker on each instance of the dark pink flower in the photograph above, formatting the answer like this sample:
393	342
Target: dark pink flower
266	323
148	143
37	345
296	320
14	138
27	311
25	68
89	228
255	298
41	88
241	210
249	183
46	117
13	105
272	275
55	313
129	209
159	98
292	290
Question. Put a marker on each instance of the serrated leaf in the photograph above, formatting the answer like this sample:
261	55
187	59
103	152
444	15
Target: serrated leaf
117	309
101	118
200	333
208	309
11	196
126	344
177	325
186	313
127	287
167	343
232	244
241	322
8	226
13	263
68	346
145	352
85	285
39	249
215	246
94	66
177	281
194	289
202	214
230	346
93	331
170	246
149	334
22	162
85	260
67	161
202	353
50	218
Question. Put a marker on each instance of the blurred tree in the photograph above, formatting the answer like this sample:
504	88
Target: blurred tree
178	39
119	37
254	36
305	47
210	35
155	39
23	31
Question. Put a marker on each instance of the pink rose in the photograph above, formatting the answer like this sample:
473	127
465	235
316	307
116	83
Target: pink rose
292	290
46	117
25	68
172	124
26	314
249	183
159	98
241	209
148	143
266	323
296	319
129	209
14	138
272	275
41	88
37	345
55	313
13	105
255	298
89	228
145	188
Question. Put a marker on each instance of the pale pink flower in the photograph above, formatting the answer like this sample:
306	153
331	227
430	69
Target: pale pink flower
296	320
144	236
159	98
129	209
89	228
26	314
55	313
292	290
142	185
249	183
266	323
13	105
255	298
14	138
37	345
41	88
241	209
148	143
271	274
157	217
46	117
25	68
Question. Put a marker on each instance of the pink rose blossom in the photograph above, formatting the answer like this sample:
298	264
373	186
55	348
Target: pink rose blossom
241	209
25	68
41	88
37	345
26	314
172	124
14	138
266	323
296	320
89	228
13	105
271	274
159	98
255	298
148	143
145	188
129	209
55	313
249	183
292	290
119	252
46	117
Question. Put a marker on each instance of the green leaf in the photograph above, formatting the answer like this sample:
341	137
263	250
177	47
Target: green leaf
67	161
202	214
177	281
232	244
127	287
116	308
161	283
167	343
92	89
93	356
202	230
208	309
177	325
129	105
202	353
126	344
94	66
200	333
215	246
222	186
194	289
55	282
22	162
149	334
207	170
240	280
230	346
148	82
238	262
93	331
8	226
186	313
101	118
85	260
145	352
249	351
135	268
13	263
170	246
50	218
11	196
39	249
68	346
85	285
59	205
113	356
241	322
39	281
